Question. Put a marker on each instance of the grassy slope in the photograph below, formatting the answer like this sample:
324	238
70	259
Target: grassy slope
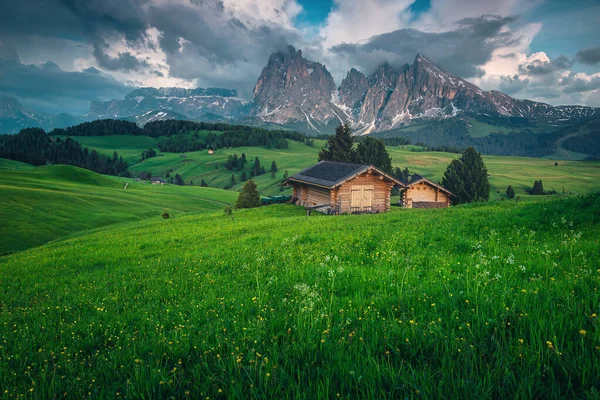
46	203
479	129
10	165
128	147
520	172
200	165
485	301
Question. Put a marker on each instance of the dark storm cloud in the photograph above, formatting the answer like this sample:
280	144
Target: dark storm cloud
201	39
573	84
537	67
589	56
50	89
460	51
88	21
124	61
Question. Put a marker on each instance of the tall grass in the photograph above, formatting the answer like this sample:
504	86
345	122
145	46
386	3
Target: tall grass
487	301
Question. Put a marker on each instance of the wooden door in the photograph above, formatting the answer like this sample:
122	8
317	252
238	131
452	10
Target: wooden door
367	198
355	202
362	198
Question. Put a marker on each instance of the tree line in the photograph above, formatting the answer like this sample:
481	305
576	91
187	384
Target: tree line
35	147
182	136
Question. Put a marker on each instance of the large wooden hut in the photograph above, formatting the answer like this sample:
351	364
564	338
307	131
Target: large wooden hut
420	192
343	188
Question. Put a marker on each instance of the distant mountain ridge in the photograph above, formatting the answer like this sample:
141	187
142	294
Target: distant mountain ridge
191	103
292	90
14	117
300	94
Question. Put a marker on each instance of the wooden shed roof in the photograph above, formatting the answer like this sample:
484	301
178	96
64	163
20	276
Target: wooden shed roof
330	174
414	179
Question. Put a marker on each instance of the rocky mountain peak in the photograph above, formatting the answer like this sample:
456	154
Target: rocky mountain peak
292	89
353	89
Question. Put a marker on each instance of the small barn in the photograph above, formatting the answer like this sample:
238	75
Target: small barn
420	192
342	188
156	180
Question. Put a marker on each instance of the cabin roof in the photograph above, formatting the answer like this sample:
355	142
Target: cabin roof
157	178
330	174
415	178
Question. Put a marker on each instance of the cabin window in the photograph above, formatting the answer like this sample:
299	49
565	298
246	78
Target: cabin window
362	198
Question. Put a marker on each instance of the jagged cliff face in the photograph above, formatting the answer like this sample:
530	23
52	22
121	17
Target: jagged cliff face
387	98
292	89
352	91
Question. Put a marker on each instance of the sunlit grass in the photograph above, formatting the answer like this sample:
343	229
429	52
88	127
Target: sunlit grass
485	301
49	202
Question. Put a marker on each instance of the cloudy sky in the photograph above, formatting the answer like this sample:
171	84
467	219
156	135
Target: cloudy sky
58	55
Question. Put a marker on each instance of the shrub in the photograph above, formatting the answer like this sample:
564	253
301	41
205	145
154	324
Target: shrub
249	197
510	192
165	214
538	188
228	210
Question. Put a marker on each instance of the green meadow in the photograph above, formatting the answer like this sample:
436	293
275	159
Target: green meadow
487	301
129	147
103	298
575	177
45	203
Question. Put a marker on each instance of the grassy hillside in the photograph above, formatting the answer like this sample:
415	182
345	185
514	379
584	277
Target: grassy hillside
46	203
200	165
573	176
487	301
11	165
128	147
520	172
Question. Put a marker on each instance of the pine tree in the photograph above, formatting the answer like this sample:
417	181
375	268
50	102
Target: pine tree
285	175
510	193
232	180
256	168
467	178
372	151
178	180
405	174
538	188
244	177
203	183
273	166
340	147
249	197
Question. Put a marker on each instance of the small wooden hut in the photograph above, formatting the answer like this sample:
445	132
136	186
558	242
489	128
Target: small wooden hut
420	192
342	188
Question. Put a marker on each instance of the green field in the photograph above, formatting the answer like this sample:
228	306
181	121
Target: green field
10	165
488	301
520	172
200	165
577	177
129	147
45	203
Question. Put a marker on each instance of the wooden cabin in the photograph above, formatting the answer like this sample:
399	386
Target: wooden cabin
343	188
420	192
157	180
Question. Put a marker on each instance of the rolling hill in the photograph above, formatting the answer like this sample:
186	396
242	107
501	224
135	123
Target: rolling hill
477	301
520	172
50	202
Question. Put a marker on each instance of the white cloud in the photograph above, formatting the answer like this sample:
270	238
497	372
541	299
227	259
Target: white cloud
352	21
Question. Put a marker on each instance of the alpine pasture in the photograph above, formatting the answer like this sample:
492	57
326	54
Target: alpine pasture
481	301
475	301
